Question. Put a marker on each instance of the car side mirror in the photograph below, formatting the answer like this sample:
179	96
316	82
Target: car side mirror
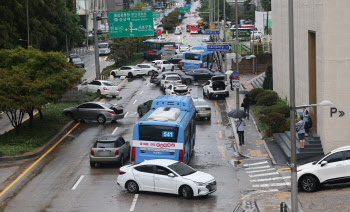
171	175
323	163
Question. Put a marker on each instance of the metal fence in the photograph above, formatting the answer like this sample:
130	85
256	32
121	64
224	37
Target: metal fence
81	50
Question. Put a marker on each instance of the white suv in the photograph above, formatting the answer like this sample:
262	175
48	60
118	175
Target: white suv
163	65
169	79
215	87
334	167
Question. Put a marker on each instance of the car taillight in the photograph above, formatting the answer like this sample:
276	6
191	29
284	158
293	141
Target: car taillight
157	69
210	86
166	82
175	53
133	154
181	156
92	152
111	112
121	172
116	152
201	65
179	81
118	89
173	92
104	88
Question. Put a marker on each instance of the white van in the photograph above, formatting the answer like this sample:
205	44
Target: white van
103	49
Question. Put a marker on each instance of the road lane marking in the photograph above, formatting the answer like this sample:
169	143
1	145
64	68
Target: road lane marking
220	134
102	100
37	161
260	191
215	104
126	114
270	179
254	164
283	170
115	130
271	185
218	122
77	183
147	84
266	174
217	112
122	82
134	202
134	101
259	167
264	170
141	92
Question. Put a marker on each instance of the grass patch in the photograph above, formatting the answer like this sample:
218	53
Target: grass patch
41	131
135	59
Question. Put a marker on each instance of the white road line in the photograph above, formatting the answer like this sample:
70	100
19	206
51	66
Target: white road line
266	174
254	164
269	179
126	114
77	183
115	130
259	167
264	170
147	84
134	202
134	101
141	92
271	185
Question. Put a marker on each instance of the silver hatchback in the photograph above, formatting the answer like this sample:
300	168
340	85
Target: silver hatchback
203	110
100	111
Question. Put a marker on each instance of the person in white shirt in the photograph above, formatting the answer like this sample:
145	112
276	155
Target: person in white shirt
240	130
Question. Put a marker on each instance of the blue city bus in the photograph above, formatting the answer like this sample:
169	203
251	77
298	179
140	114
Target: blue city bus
167	131
196	59
155	49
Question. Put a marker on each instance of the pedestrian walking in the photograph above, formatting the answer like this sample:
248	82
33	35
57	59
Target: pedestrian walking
246	105
306	118
166	33
231	78
183	42
300	125
240	130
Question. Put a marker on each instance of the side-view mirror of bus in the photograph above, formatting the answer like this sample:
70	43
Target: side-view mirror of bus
171	175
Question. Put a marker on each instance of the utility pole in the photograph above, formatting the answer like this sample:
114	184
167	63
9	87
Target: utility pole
224	68
65	9
87	25
236	47
214	14
218	13
294	185
27	25
210	12
97	61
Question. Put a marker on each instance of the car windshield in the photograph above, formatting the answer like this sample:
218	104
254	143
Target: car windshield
173	78
200	103
100	144
108	84
182	169
76	60
103	45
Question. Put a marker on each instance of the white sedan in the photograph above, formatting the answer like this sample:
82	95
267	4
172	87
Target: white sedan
180	90
149	68
166	176
101	87
206	38
129	71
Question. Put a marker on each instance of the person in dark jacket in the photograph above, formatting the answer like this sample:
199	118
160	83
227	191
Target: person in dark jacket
246	105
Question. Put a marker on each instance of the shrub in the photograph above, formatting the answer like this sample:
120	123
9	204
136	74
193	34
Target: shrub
268	100
254	93
278	108
268	81
265	92
274	120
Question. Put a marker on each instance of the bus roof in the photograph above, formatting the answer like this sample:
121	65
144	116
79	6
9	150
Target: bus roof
161	120
182	102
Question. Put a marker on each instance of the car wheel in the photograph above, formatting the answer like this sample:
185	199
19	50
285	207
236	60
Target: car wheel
101	119
140	112
132	186
163	69
209	118
98	92
186	192
114	96
149	73
309	184
92	164
187	81
208	95
130	75
204	94
172	68
121	162
113	74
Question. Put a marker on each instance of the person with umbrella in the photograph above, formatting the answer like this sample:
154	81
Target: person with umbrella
246	105
240	130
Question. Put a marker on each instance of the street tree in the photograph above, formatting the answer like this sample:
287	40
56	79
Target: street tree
249	10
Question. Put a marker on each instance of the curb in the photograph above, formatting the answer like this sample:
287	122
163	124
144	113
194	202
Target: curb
44	148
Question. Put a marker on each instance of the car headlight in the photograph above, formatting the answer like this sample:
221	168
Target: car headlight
199	184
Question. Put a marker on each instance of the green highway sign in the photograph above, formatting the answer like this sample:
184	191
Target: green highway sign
185	9
130	24
156	15
242	33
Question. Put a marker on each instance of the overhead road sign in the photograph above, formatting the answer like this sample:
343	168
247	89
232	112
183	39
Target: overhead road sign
212	32
156	15
218	47
184	9
242	33
130	24
187	5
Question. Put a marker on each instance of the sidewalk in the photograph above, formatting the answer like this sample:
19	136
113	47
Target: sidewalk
267	197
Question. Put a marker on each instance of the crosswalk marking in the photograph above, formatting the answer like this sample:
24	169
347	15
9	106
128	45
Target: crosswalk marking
259	167
269	179
264	170
266	174
271	185
254	164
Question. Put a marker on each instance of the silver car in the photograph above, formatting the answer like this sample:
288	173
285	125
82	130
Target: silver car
203	110
109	149
100	111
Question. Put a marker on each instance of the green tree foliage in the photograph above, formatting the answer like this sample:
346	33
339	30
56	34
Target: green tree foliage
123	48
266	4
171	21
274	120
49	21
268	81
205	8
31	78
249	10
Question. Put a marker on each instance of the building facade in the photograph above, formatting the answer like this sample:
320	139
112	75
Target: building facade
322	60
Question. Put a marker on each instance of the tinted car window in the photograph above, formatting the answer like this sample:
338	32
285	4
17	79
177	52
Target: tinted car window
104	144
95	106
108	84
334	157
162	171
83	106
347	155
182	169
145	168
120	142
173	78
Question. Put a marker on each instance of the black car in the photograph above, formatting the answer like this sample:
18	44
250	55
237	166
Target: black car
77	62
203	74
143	108
176	60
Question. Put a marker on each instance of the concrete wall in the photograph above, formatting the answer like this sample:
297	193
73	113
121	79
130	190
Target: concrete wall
332	61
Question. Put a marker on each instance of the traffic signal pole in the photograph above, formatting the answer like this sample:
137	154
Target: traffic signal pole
97	61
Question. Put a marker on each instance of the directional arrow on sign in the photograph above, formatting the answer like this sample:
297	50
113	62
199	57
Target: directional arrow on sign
341	113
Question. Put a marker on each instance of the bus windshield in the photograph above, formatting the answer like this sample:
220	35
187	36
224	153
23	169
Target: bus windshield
158	133
189	56
103	45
